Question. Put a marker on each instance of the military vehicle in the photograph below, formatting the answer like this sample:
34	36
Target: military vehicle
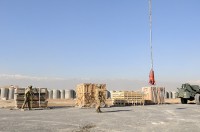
189	92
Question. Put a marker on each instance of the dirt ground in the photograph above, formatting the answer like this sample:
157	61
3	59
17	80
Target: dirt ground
51	103
148	118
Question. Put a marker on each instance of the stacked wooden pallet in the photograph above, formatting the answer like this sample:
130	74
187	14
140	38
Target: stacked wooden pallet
127	98
39	98
154	95
85	94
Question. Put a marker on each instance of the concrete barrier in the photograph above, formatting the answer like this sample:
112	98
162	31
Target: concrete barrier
62	94
107	94
170	95
4	93
166	95
55	94
50	94
69	94
11	93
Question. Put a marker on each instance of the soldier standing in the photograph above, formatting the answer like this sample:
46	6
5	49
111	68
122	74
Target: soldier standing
27	97
99	98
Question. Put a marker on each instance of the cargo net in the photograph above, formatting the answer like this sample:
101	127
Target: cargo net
38	98
154	95
87	96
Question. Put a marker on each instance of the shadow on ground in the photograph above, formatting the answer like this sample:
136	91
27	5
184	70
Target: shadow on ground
115	111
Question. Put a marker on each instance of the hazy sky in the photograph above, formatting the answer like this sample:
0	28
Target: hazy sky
99	40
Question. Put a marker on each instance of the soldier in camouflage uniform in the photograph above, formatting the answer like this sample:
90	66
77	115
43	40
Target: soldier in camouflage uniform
28	97
98	98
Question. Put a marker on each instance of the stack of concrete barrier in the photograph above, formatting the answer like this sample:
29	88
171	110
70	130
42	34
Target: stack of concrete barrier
7	93
154	95
39	98
61	94
4	93
170	95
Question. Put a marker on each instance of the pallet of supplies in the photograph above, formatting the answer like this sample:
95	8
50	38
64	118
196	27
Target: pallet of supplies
38	99
85	94
127	98
154	95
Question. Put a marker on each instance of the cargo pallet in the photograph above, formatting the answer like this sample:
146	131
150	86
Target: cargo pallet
85	94
127	98
39	99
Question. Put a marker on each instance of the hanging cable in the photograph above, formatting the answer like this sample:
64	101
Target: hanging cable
150	24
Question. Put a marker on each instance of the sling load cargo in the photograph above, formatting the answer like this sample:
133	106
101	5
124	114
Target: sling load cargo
151	77
151	74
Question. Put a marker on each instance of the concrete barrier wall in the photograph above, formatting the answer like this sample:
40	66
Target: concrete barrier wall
4	93
55	94
62	94
108	94
11	93
15	95
69	94
166	94
50	94
170	95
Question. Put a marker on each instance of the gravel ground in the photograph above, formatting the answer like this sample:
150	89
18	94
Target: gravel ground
156	118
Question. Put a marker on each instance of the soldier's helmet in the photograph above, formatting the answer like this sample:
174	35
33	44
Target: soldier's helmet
30	86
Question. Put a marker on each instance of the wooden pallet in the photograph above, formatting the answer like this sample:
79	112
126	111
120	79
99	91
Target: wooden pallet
85	94
127	98
39	98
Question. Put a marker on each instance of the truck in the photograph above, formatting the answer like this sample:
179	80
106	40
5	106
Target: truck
189	92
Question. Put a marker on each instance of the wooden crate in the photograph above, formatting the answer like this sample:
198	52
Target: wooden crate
85	94
127	98
39	97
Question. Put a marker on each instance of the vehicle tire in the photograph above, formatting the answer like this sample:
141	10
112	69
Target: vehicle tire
197	99
184	101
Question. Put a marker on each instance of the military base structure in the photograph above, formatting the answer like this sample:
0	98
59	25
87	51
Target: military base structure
85	95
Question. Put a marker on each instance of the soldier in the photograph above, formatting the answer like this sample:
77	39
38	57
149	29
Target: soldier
99	98
28	97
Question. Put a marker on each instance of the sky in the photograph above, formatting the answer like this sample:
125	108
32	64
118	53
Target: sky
58	44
